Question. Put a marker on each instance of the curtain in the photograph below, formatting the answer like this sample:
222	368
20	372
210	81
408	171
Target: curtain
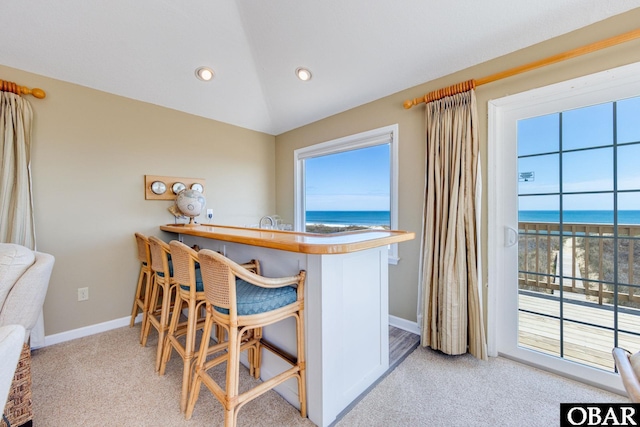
450	304
16	207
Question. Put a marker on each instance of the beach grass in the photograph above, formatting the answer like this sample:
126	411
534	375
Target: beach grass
338	228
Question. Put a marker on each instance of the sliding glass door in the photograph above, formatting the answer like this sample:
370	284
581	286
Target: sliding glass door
578	224
564	225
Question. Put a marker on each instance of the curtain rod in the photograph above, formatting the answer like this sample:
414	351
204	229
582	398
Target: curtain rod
21	90
573	53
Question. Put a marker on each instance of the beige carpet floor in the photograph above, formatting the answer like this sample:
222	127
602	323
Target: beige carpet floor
109	380
432	389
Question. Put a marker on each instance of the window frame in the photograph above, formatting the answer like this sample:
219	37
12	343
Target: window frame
379	136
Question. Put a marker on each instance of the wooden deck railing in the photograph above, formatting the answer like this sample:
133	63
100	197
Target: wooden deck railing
587	262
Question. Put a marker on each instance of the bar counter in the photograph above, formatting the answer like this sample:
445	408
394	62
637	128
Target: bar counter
306	243
346	305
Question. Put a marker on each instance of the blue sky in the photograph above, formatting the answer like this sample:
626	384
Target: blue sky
357	180
590	170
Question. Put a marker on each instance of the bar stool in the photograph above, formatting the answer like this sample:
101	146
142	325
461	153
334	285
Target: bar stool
143	290
190	294
163	289
238	301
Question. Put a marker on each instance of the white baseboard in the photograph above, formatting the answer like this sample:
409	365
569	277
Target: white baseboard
89	330
398	322
405	325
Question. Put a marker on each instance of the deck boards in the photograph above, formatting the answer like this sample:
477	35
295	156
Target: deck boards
582	343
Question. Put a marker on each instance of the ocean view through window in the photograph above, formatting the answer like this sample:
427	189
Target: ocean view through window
580	216
333	221
348	184
349	190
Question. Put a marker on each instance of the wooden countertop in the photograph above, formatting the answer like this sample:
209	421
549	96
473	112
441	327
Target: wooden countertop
308	243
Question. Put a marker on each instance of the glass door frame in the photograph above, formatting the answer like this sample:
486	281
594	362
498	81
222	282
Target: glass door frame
502	302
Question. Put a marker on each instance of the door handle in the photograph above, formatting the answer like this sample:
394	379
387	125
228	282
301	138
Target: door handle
510	236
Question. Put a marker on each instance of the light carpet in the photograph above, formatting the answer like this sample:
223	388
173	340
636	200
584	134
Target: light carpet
430	388
108	379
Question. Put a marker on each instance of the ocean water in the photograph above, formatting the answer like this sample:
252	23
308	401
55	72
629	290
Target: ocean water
349	217
383	217
588	217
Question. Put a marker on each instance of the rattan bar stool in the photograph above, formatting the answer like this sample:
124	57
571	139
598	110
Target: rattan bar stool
163	291
240	301
143	290
190	295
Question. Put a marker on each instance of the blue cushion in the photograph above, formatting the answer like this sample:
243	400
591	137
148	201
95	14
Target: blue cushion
161	274
199	285
253	299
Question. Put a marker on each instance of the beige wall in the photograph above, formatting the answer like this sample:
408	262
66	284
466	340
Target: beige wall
90	153
389	110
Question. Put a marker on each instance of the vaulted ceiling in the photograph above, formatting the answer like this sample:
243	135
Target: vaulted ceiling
357	50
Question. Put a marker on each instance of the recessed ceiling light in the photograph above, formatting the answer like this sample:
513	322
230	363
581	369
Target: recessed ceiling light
303	74
204	73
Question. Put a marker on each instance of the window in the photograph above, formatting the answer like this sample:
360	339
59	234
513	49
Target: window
348	183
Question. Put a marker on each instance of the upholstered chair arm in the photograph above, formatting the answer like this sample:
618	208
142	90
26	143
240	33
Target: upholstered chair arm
629	369
11	339
25	300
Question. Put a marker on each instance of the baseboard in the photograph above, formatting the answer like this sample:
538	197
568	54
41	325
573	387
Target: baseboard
405	325
89	330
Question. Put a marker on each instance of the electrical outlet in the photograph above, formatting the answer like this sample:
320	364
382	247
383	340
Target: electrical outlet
83	294
209	213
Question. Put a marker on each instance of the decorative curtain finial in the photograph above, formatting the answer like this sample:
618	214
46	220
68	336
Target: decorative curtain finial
7	86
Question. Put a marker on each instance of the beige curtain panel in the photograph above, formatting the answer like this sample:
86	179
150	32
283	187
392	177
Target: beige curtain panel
451	307
16	207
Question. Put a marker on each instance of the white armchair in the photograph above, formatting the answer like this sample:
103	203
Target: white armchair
11	340
24	279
